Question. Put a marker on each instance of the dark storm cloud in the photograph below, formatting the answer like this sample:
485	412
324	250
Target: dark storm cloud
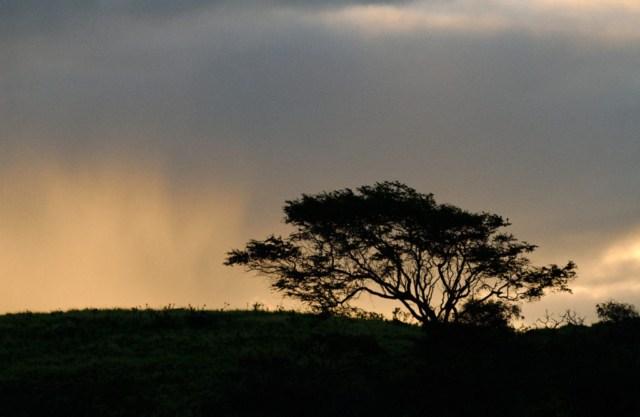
284	89
280	86
50	12
19	18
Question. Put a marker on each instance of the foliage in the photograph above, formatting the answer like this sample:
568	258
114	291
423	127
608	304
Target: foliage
359	313
390	241
490	313
257	306
616	312
400	316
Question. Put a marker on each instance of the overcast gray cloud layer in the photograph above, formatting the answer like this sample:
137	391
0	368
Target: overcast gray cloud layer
527	110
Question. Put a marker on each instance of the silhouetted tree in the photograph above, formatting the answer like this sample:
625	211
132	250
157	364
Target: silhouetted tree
615	312
390	241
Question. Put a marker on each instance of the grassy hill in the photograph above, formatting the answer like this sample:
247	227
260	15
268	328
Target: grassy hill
185	362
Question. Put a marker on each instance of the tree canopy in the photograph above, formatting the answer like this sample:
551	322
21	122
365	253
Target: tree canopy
392	242
616	312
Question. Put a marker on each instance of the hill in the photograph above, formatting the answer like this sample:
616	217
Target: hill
188	362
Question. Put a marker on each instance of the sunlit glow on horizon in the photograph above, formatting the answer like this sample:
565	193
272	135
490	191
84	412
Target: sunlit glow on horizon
591	4
374	20
615	271
627	249
604	20
110	235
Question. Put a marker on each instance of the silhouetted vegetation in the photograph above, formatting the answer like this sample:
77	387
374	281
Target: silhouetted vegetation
195	362
551	321
489	313
392	242
615	312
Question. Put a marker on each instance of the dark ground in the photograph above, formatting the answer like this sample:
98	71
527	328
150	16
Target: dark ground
187	362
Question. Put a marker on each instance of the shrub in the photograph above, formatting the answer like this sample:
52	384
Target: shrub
490	313
615	312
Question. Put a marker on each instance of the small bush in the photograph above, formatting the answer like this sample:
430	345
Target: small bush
400	316
615	312
493	314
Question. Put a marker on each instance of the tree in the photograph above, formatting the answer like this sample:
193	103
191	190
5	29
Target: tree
616	312
392	242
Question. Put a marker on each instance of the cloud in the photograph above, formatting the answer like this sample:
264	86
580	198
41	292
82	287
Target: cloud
150	9
302	102
588	4
385	19
612	270
626	249
604	21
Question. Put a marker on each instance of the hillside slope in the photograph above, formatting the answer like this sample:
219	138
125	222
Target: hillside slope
184	362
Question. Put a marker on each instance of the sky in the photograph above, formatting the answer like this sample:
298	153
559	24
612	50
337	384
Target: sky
142	140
